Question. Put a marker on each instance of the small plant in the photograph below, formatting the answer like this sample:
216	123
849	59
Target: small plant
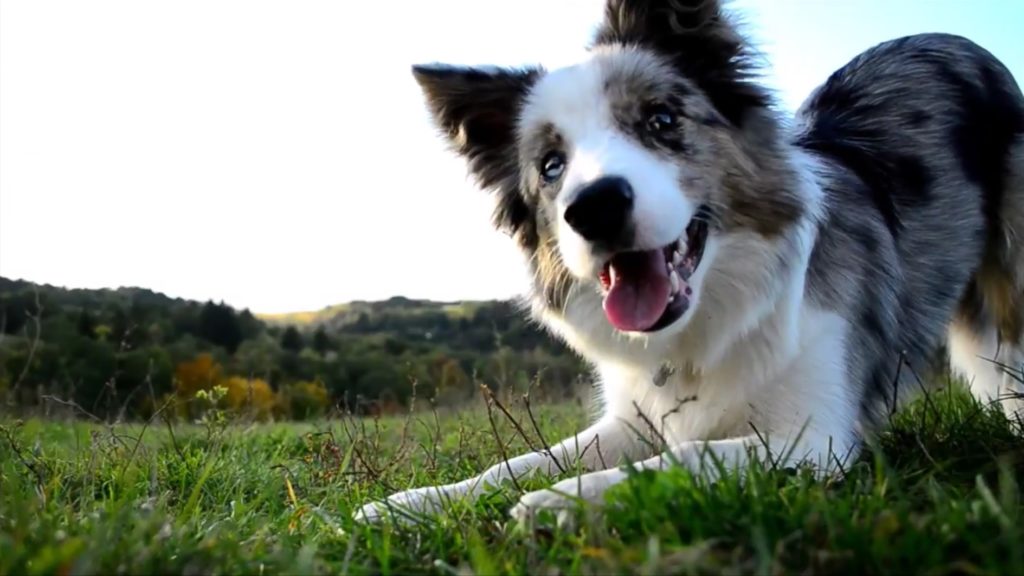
212	414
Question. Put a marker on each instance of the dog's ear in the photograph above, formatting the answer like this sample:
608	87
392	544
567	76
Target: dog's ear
698	38
477	110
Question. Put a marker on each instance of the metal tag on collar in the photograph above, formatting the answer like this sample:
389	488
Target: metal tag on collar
664	373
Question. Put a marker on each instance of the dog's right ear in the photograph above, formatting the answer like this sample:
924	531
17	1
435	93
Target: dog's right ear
477	110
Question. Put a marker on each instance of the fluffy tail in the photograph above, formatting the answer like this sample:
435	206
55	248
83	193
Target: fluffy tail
986	342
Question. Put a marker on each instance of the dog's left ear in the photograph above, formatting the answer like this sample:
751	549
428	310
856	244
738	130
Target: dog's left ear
697	37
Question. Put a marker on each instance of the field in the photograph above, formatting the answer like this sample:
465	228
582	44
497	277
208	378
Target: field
939	494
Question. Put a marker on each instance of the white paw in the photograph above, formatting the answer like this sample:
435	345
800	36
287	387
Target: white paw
408	507
530	505
565	498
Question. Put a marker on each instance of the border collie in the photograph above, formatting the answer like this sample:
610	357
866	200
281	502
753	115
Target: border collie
755	287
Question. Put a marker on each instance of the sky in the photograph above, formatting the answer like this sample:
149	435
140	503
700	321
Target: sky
278	156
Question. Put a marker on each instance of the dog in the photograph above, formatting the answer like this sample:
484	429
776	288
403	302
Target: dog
748	287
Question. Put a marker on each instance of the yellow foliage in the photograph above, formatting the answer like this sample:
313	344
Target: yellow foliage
202	373
303	400
253	395
453	376
247	396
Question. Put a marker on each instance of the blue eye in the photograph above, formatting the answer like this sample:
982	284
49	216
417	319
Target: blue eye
552	166
659	120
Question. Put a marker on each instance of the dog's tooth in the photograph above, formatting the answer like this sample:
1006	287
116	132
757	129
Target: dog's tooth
677	258
671	298
673	278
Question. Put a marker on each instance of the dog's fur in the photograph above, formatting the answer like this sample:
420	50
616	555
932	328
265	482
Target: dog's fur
845	246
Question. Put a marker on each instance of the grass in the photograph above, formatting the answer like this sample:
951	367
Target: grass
940	494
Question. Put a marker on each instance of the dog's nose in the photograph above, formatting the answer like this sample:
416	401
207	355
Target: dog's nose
601	210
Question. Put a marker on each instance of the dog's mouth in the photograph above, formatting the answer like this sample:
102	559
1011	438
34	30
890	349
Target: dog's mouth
645	291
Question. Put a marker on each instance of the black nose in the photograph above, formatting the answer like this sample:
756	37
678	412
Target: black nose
601	210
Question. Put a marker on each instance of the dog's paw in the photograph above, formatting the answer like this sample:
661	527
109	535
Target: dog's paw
530	506
409	507
564	499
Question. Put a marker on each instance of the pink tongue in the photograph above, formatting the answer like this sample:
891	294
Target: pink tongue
639	290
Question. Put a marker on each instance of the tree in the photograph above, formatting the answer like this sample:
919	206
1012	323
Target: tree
257	357
291	340
219	325
99	346
86	324
15	312
305	400
202	373
121	327
250	325
250	395
321	341
453	376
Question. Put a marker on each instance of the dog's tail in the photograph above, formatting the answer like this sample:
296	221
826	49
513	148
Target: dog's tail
986	342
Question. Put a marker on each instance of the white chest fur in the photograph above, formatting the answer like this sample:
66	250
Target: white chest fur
758	386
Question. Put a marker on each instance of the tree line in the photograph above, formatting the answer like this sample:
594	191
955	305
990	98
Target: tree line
129	352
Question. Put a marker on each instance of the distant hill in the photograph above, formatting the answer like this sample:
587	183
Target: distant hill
341	315
304	319
81	298
95	345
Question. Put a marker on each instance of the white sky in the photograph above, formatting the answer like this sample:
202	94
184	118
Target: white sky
277	155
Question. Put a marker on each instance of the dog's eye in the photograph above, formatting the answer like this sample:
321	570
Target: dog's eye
660	119
552	166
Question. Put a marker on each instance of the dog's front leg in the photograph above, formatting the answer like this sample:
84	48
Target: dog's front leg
597	447
701	457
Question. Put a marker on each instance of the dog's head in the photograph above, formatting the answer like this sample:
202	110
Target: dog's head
624	176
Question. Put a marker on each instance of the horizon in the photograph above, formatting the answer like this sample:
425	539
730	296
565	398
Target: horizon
234	120
455	301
